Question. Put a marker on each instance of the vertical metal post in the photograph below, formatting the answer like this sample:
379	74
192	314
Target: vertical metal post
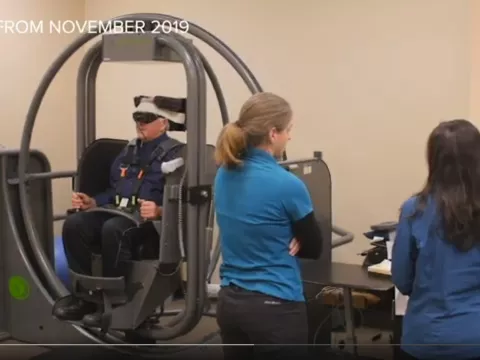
82	100
91	97
201	147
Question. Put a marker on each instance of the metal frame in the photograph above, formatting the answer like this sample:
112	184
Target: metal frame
195	66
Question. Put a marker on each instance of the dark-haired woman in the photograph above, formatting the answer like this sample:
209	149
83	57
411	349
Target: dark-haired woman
436	254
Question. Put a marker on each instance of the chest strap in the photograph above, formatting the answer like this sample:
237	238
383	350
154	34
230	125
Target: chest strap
131	159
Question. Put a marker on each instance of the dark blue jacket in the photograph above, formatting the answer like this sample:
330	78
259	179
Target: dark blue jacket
153	182
256	206
443	284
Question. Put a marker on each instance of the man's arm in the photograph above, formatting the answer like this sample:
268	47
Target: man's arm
298	204
106	197
404	254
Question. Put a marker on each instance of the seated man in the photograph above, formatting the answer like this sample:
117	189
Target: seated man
85	233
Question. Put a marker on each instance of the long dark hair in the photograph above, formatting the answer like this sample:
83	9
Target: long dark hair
453	156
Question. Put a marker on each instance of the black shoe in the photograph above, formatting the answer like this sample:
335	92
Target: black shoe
72	309
93	319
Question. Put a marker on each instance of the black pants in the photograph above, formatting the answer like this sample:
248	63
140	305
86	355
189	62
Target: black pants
85	233
247	317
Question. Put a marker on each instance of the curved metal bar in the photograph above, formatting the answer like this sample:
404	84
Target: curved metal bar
55	67
195	110
217	88
51	278
202	212
345	237
211	40
201	250
116	212
200	141
224	114
196	55
32	233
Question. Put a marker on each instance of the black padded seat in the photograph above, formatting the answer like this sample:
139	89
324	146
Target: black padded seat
94	167
93	177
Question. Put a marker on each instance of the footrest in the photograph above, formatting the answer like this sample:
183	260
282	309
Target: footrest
94	288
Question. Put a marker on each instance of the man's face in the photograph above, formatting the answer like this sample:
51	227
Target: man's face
150	131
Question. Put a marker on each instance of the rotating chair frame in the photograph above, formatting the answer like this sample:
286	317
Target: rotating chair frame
149	282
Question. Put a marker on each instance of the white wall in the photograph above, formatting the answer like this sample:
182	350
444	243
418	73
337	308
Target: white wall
368	80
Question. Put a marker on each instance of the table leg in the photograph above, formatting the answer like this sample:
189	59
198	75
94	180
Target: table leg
351	339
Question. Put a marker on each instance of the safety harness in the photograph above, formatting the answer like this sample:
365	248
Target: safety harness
130	158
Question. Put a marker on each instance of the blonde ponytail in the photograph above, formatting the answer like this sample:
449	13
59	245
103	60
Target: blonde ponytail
231	146
261	113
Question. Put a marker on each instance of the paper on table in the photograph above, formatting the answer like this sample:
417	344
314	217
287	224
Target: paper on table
392	235
401	302
381	268
389	245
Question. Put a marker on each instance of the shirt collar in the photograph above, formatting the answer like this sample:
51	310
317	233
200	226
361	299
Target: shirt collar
155	142
260	154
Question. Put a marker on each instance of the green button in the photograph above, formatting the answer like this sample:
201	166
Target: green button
19	288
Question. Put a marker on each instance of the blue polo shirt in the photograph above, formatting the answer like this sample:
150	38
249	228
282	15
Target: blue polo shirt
443	284
256	205
153	183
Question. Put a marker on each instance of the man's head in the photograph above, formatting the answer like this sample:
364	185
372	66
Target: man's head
147	131
152	121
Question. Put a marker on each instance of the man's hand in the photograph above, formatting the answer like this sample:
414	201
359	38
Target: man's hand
294	247
149	210
82	201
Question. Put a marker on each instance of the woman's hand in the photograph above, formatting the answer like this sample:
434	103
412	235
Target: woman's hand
294	247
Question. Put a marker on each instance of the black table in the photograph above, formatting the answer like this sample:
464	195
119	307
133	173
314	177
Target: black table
347	277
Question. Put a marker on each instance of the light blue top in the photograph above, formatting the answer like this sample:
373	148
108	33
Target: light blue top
256	205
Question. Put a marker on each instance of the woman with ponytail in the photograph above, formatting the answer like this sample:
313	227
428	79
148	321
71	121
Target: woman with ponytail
231	146
266	222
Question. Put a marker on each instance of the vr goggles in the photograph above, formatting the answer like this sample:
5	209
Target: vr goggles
149	109
145	117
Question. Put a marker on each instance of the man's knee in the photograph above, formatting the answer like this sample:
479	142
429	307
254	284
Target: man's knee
115	227
75	222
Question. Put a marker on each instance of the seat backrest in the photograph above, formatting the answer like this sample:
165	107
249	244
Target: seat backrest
94	167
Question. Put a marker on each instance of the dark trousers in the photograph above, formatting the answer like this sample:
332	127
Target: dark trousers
85	233
247	317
